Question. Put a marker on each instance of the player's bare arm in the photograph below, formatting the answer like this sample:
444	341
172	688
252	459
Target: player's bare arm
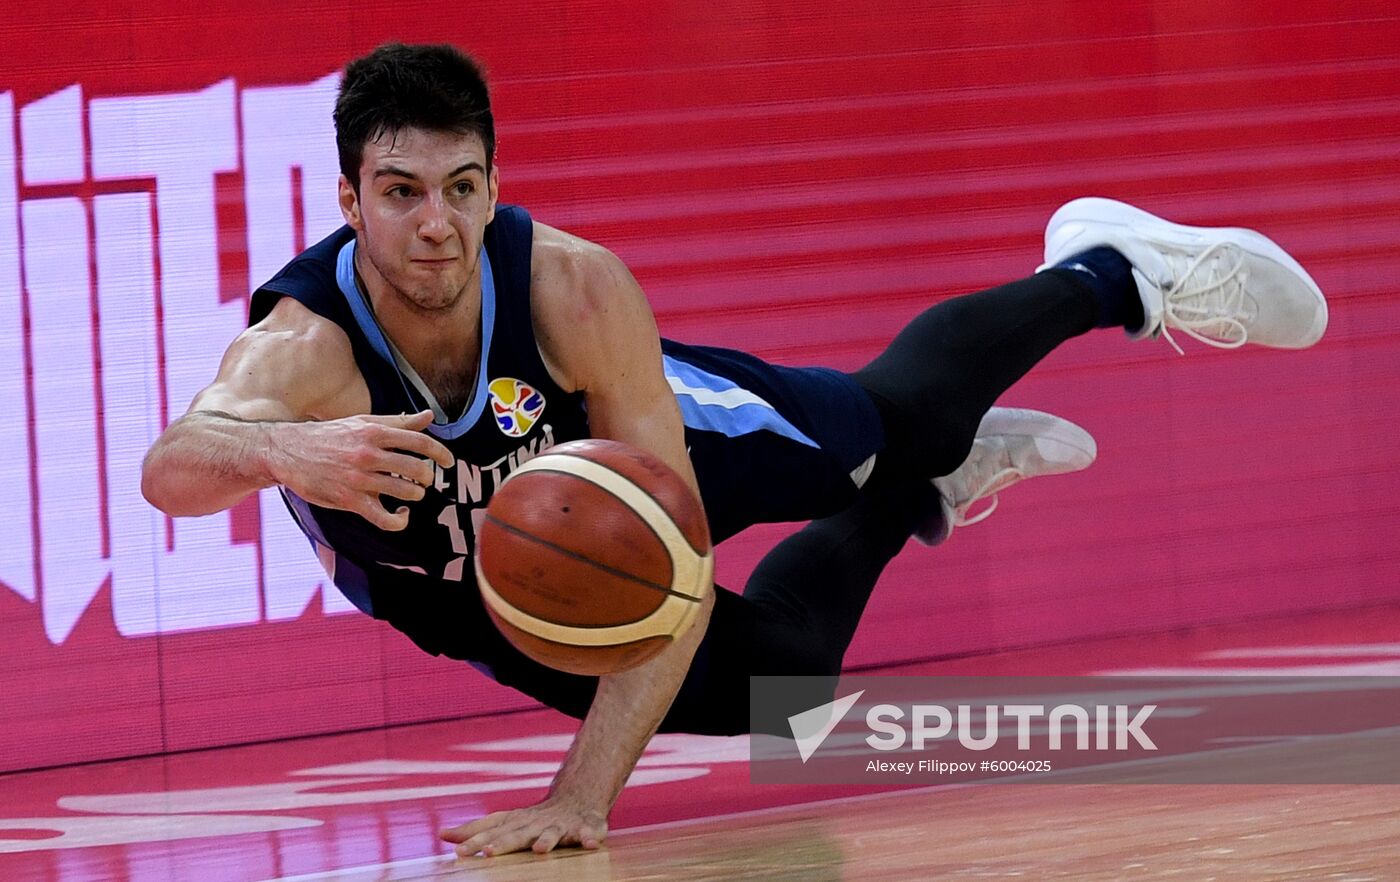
289	407
598	336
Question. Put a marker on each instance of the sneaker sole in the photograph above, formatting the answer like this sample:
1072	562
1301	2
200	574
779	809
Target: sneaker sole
1094	209
1057	439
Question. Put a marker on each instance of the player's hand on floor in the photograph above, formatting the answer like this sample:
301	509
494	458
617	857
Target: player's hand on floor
540	827
349	463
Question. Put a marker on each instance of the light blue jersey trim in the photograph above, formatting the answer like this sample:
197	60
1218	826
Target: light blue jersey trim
715	404
345	278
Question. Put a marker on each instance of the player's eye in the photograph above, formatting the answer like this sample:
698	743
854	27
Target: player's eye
401	191
463	188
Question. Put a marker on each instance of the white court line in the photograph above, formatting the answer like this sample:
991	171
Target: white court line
1388	668
451	862
1346	650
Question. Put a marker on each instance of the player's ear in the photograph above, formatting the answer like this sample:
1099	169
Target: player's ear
493	190
350	205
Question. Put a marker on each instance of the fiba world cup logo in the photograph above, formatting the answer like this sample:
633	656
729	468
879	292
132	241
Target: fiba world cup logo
515	405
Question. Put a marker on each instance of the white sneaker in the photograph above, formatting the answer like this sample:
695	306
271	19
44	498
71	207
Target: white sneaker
1224	286
1011	444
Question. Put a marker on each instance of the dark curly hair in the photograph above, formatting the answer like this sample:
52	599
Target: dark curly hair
438	88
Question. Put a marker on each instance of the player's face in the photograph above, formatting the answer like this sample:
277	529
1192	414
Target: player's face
421	214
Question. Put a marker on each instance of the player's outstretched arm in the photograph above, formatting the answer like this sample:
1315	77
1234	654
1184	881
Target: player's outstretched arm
626	711
270	417
601	339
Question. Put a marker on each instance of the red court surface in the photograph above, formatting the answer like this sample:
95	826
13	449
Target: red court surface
367	805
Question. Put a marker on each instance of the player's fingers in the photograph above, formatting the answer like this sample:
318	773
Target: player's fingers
477	835
391	485
369	508
415	469
592	835
547	839
466	848
415	441
462	832
420	443
507	841
481	843
513	834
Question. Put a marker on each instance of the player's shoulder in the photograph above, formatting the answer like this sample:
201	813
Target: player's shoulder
309	277
553	248
571	274
297	343
292	364
587	309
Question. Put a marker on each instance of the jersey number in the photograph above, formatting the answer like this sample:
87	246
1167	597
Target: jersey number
461	545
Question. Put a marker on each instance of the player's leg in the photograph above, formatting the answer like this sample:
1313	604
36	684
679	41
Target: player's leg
796	616
802	604
799	609
944	370
1109	264
922	399
770	443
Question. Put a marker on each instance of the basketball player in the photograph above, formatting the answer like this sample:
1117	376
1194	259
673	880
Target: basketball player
438	340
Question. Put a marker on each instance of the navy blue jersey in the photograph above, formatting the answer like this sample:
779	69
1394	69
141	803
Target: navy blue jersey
768	443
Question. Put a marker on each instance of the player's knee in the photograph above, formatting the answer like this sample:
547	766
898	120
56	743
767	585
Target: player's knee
955	433
929	423
928	445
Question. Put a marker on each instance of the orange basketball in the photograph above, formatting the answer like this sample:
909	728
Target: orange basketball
593	557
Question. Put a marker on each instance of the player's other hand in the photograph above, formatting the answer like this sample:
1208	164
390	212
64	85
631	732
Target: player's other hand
349	463
539	827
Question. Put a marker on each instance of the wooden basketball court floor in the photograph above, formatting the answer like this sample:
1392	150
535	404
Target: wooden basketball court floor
366	806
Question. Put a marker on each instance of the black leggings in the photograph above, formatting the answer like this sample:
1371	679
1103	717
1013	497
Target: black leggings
944	371
801	606
797	616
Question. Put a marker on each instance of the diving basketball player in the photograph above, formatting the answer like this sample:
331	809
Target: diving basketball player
439	339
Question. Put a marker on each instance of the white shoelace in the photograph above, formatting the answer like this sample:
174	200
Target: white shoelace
1215	302
993	484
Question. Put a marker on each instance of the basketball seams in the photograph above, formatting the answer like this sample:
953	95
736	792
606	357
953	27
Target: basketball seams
669	619
585	559
612	479
687	566
601	660
646	470
691	571
524	531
